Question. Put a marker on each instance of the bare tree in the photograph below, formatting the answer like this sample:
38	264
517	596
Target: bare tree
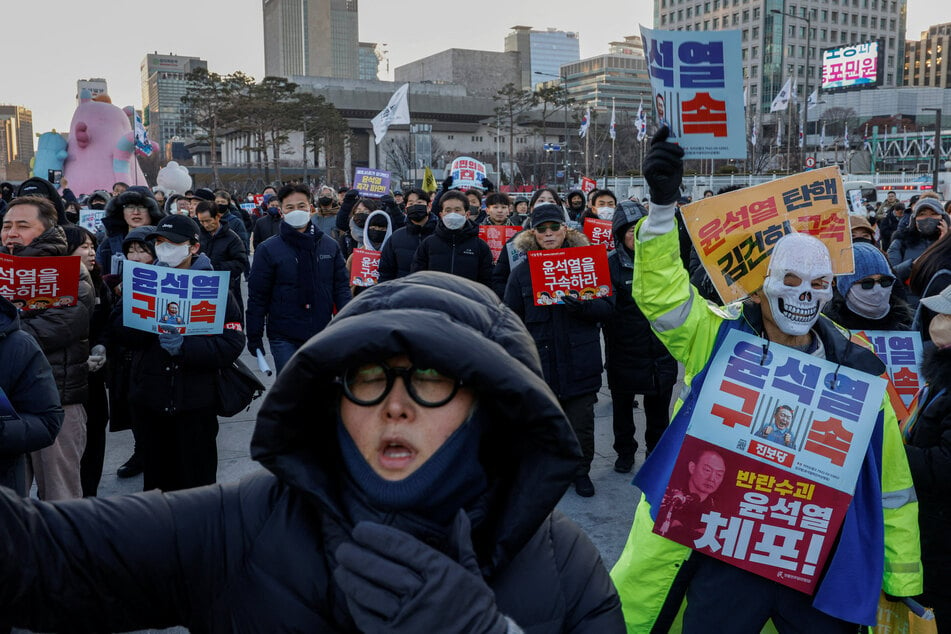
513	104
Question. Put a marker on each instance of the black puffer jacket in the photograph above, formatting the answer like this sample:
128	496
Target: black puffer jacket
569	343
62	332
258	556
635	358
460	252
26	379
396	259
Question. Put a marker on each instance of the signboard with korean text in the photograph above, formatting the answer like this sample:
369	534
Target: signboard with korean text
697	83
364	267
580	272
851	67
248	207
496	236
901	352
599	232
588	185
258	200
734	233
371	183
192	302
467	173
770	461
39	283
91	219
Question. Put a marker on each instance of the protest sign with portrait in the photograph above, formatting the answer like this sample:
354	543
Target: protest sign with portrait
157	298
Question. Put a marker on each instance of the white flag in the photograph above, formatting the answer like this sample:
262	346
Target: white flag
782	99
397	111
822	137
641	122
779	133
813	99
585	122
612	131
753	134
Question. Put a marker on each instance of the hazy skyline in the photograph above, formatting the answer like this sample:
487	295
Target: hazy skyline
105	38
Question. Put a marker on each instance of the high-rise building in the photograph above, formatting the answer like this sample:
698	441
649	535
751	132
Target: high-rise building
482	73
369	60
95	85
163	86
542	53
315	38
16	141
774	45
924	58
619	78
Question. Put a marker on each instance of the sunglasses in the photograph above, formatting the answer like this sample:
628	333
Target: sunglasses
548	226
870	284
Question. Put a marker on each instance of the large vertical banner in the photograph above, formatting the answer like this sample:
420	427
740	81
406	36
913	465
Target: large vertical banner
770	461
697	81
157	298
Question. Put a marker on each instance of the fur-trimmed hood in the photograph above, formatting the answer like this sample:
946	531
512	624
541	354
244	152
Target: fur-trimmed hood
525	241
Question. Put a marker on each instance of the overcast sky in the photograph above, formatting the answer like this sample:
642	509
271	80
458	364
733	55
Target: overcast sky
46	47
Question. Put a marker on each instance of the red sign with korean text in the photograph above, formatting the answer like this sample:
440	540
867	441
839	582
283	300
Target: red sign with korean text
364	267
588	185
599	232
496	236
579	272
39	283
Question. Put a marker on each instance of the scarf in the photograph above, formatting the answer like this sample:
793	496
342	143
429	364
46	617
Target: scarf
304	245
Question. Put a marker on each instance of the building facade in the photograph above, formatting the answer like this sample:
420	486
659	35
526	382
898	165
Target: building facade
924	58
16	142
314	38
163	86
369	60
542	53
483	73
619	78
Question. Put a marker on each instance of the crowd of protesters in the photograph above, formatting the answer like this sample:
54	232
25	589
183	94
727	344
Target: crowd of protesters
376	524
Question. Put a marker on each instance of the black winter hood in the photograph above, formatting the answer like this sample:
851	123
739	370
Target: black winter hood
457	327
626	213
114	222
9	317
37	186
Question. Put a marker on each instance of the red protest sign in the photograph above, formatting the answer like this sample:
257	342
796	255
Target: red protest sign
258	199
496	236
588	184
38	283
599	232
364	267
581	272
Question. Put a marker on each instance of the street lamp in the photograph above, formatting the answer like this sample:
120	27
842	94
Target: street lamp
937	148
564	84
805	87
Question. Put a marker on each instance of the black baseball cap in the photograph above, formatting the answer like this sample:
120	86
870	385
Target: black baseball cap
177	229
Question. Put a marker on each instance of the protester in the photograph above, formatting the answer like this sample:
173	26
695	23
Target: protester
889	224
223	247
298	279
269	224
567	335
127	211
521	211
378	232
173	391
861	230
234	217
636	361
455	246
325	216
30	229
928	438
423	502
928	224
27	380
576	205
865	299
498	209
877	551
603	202
396	258
353	237
41	187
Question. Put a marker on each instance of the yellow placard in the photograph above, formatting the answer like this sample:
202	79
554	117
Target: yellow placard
734	233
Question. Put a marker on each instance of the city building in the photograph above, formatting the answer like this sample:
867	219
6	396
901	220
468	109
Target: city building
370	57
483	73
95	85
16	142
924	58
774	45
542	53
314	38
163	86
618	77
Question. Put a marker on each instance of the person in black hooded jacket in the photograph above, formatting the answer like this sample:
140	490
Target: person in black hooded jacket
455	246
128	210
396	259
468	541
636	361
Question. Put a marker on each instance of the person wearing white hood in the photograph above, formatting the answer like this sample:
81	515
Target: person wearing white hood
376	233
455	246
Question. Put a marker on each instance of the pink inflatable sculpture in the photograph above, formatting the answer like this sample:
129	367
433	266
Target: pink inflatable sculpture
101	147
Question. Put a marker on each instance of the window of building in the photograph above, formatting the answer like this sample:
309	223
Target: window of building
450	137
716	23
756	13
756	34
874	22
746	15
689	12
746	34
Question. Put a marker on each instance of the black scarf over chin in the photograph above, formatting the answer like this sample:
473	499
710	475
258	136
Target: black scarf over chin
304	245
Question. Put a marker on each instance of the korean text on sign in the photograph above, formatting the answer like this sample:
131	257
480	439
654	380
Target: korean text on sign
697	82
371	183
580	272
467	172
901	352
735	233
365	267
599	232
160	298
496	236
38	283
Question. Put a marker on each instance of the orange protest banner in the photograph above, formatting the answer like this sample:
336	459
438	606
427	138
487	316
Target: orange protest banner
734	233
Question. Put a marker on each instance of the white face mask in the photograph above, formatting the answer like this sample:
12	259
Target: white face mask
453	221
297	218
171	254
796	308
872	303
605	213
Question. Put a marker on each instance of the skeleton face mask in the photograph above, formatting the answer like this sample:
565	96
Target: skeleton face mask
796	308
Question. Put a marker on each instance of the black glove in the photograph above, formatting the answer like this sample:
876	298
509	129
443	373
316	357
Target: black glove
351	196
447	184
386	199
574	305
488	185
255	344
395	583
664	169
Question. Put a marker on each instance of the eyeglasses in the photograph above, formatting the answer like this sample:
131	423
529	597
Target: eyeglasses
134	208
369	384
869	284
550	226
